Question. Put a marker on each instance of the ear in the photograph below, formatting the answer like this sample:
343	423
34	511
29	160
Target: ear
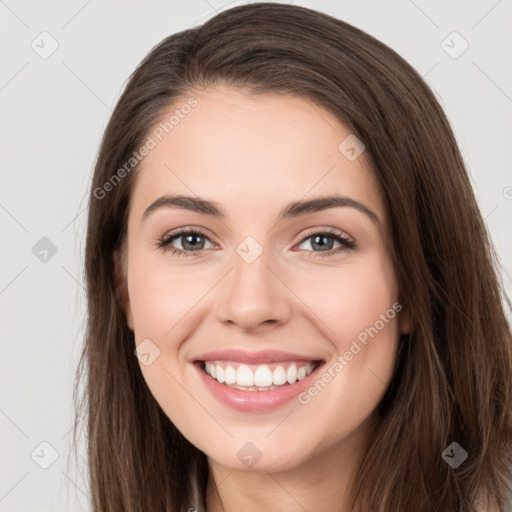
122	287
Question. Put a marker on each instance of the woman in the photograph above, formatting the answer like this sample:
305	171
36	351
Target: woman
292	297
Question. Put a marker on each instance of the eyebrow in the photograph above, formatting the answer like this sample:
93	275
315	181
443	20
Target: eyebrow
292	210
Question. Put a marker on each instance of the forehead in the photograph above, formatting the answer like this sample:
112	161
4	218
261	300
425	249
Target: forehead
252	151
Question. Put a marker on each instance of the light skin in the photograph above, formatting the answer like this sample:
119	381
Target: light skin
253	155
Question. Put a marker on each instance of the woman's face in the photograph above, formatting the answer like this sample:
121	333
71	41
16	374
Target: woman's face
299	311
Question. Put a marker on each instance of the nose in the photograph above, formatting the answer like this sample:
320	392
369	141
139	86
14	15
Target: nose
254	296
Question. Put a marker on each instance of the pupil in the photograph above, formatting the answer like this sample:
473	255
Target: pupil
321	240
192	244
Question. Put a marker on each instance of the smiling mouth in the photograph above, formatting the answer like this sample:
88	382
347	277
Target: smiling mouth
262	377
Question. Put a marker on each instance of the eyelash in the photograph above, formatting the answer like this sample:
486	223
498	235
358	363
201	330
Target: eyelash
346	243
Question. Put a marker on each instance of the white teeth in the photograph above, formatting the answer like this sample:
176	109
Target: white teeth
230	375
220	373
244	376
263	376
291	374
279	376
261	379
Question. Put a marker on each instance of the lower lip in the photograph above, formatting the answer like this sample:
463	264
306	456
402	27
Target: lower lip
255	401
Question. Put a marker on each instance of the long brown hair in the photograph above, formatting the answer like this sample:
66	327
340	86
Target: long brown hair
453	377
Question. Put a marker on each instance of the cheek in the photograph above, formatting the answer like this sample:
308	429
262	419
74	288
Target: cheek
359	313
350	300
162	299
161	296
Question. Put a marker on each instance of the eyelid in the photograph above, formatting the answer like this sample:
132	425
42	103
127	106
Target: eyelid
187	229
323	230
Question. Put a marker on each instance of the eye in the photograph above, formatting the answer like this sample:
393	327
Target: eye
191	241
324	241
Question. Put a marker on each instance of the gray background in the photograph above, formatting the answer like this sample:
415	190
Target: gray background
53	112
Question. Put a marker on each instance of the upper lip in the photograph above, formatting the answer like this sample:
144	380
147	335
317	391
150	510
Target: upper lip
250	357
